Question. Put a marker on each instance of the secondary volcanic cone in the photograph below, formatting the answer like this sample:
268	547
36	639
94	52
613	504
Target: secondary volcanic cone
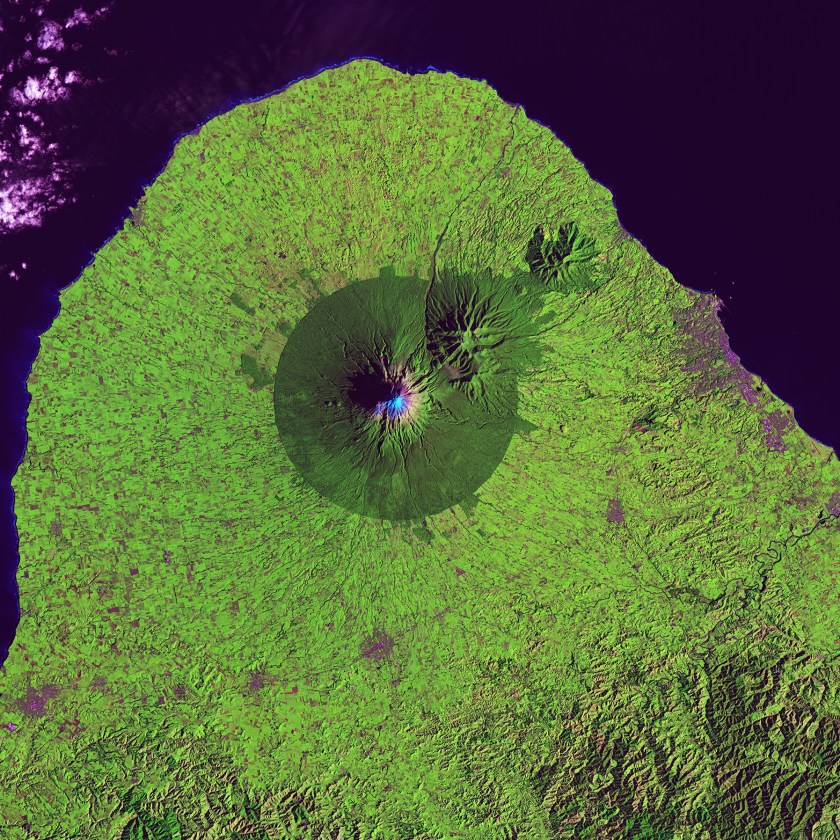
379	484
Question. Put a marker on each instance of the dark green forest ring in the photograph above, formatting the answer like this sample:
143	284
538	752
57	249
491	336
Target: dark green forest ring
370	417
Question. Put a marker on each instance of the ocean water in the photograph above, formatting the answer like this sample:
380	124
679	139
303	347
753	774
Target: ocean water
713	129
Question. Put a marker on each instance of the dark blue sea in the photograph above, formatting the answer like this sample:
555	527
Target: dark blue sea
713	125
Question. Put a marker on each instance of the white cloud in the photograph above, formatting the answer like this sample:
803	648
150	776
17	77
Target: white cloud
49	38
34	179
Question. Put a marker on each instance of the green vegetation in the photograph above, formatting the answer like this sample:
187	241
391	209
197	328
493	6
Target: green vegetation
497	541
